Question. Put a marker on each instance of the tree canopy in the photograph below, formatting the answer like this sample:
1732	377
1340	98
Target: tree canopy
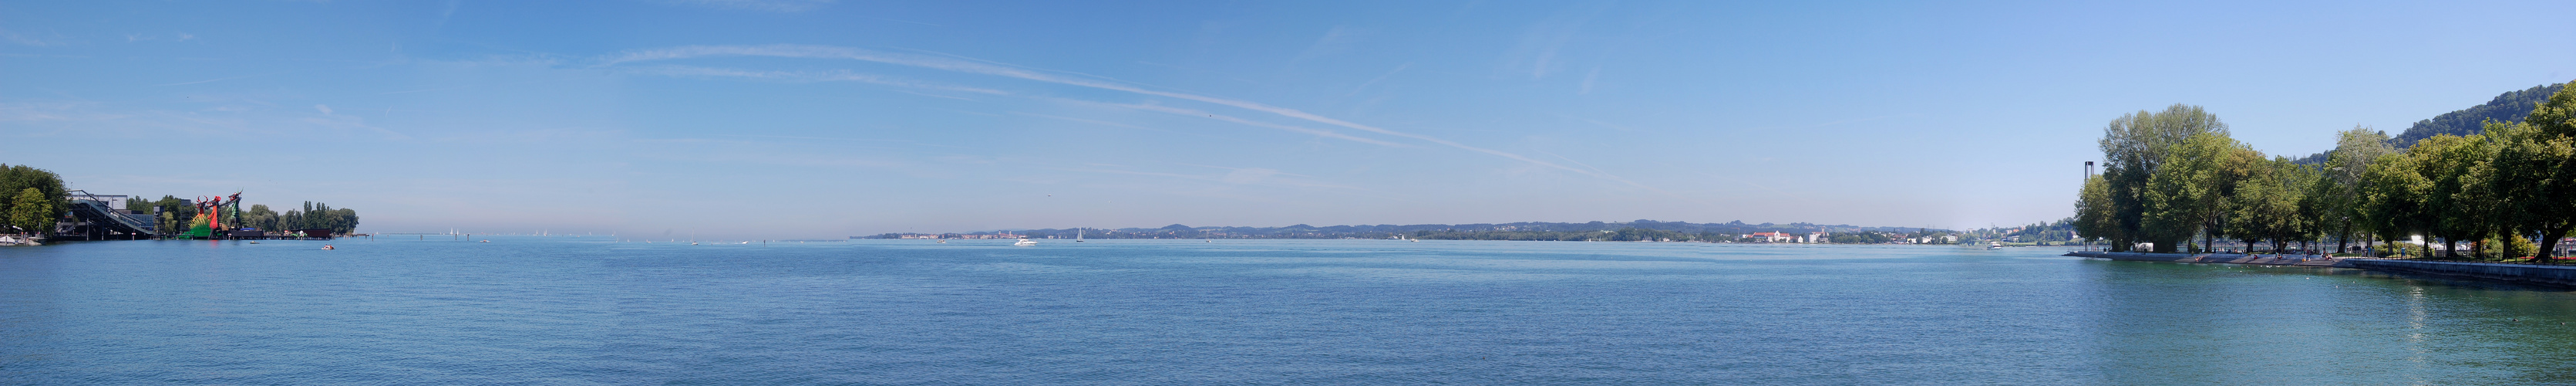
2175	175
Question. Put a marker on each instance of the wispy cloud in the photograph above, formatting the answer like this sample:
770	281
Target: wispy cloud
1372	81
1597	122
1334	41
31	40
1209	115
216	80
974	67
757	5
1539	46
1232	176
428	90
905	141
1091	121
810	77
1590	78
51	111
902	21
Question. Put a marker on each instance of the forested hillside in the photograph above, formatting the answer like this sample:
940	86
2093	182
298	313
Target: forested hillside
2510	107
1639	229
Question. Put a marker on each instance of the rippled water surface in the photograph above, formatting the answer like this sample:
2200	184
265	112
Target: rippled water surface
586	310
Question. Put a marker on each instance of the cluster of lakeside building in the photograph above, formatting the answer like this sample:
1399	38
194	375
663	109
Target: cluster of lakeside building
112	217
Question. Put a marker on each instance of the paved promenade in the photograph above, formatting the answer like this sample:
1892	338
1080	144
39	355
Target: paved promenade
2315	261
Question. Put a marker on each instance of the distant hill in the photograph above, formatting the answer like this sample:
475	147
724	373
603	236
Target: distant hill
1303	231
2509	107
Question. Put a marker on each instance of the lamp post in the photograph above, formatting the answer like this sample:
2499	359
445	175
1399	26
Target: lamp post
2088	178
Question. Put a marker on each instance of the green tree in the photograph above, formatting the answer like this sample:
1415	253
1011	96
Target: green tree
2534	172
2094	212
2189	194
2455	204
174	214
2135	148
345	221
259	216
2395	206
49	190
31	215
2341	197
2537	176
2555	117
2266	205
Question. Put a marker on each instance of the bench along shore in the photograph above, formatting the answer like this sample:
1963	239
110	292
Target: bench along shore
2545	275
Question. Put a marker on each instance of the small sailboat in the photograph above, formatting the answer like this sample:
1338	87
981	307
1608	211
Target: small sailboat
1077	235
1024	241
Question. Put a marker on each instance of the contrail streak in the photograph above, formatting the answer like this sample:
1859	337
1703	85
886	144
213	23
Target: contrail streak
828	52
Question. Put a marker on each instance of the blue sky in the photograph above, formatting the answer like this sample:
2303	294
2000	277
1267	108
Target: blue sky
788	119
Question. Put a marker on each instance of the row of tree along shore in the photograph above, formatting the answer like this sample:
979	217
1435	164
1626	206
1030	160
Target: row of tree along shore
2174	181
37	203
179	216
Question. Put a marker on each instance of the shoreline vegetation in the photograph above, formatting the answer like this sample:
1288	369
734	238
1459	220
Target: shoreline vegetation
2174	181
38	205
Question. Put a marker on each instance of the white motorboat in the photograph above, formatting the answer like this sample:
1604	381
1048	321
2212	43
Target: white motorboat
1994	245
1024	242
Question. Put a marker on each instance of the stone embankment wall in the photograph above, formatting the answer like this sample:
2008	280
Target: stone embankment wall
2551	275
2135	256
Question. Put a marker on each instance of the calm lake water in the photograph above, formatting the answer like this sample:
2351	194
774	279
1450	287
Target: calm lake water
587	310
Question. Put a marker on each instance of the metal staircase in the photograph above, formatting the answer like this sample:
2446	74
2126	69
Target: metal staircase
89	208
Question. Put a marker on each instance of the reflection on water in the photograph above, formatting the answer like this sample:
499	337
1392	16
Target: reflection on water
570	310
